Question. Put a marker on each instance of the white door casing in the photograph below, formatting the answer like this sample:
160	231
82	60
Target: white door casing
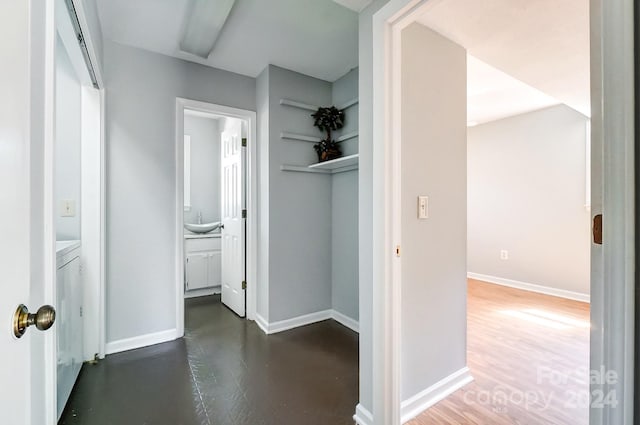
612	286
231	205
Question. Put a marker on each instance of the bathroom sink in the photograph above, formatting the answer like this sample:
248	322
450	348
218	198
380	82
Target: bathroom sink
202	228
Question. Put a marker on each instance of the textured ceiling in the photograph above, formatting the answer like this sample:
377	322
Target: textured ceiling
314	37
542	43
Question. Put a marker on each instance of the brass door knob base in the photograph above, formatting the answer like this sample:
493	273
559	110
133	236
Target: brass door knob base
44	318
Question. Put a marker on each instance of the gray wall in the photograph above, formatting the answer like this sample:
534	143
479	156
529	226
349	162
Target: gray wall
434	148
300	203
344	209
67	166
141	91
538	216
205	168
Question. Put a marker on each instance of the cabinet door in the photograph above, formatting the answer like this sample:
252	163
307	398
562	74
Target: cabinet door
69	329
197	271
215	263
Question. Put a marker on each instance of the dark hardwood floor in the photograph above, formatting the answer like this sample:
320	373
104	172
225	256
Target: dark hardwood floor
529	355
224	372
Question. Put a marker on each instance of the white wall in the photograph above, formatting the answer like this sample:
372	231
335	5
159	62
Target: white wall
263	107
434	284
205	168
67	164
141	91
344	208
365	203
527	179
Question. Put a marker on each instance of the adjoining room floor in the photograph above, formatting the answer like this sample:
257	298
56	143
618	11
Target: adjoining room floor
529	356
224	372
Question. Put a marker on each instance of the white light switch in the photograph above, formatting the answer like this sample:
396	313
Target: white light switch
423	207
67	208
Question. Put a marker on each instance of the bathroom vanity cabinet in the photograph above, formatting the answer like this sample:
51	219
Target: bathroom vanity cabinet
203	255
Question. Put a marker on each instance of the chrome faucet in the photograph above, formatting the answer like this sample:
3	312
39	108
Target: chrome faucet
199	217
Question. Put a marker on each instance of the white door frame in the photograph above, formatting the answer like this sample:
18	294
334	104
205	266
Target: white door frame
252	202
612	339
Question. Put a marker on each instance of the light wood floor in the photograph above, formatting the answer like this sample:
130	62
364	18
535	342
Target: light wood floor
515	340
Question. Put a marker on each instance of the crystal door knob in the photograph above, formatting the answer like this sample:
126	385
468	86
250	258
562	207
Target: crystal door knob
43	319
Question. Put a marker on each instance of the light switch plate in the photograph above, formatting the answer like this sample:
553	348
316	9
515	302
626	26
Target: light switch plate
423	207
67	208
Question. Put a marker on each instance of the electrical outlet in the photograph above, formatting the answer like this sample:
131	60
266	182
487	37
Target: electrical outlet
504	254
68	208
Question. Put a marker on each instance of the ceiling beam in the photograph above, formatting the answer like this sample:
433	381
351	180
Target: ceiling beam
204	22
355	5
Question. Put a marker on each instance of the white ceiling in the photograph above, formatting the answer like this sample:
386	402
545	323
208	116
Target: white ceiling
315	37
543	43
493	95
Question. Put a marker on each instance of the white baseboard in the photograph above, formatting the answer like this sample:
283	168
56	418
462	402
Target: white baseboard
345	321
262	324
420	402
307	319
203	292
362	416
140	341
576	296
295	322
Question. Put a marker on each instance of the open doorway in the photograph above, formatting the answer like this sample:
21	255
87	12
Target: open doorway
519	218
215	234
408	149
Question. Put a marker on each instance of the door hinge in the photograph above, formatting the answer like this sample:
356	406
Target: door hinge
81	312
244	142
244	284
244	213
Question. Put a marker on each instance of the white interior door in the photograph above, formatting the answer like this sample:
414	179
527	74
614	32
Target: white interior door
233	231
27	371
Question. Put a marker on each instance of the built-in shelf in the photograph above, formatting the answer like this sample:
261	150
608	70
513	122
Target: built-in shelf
349	104
347	136
300	137
313	108
313	139
345	161
293	103
340	165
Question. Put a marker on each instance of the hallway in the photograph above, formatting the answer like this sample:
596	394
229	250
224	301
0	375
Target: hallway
224	372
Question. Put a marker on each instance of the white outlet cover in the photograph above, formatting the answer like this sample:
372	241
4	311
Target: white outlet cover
68	208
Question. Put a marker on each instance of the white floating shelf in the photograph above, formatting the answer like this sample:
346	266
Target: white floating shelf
301	137
340	165
349	104
347	136
295	104
302	169
334	164
313	139
313	108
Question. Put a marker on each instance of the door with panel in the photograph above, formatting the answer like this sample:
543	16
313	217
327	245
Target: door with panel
233	218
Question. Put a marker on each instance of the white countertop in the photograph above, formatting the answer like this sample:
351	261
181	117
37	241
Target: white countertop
63	247
202	235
